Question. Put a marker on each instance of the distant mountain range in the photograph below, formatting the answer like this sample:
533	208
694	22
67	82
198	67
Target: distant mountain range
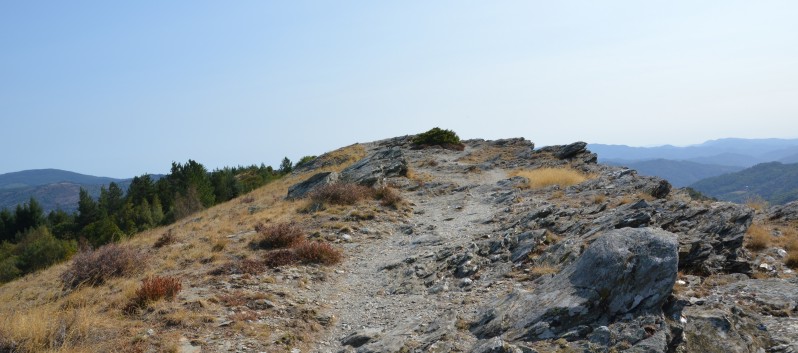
678	173
749	167
52	188
734	152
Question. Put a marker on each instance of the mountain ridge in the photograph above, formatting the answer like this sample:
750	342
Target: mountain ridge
469	257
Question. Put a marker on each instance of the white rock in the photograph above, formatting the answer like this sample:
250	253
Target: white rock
781	252
681	283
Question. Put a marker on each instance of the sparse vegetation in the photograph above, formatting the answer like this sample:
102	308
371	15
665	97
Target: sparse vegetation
280	235
245	266
759	237
318	253
280	257
165	239
388	196
97	266
438	137
340	194
154	289
542	177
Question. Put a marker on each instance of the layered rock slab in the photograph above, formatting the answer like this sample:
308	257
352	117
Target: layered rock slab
623	274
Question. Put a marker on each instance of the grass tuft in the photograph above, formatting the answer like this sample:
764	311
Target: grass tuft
154	289
542	177
759	237
165	239
388	196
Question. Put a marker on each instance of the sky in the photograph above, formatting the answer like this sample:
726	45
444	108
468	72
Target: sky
120	89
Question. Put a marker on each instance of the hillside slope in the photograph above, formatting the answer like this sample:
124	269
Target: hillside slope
773	182
472	258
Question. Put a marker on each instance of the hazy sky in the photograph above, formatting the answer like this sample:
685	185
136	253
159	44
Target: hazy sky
119	89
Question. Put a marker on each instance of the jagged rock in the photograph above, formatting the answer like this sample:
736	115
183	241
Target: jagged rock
662	189
709	238
571	150
623	272
302	189
788	212
495	345
371	170
361	337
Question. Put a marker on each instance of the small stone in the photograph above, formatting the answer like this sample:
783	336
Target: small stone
346	237
781	253
466	282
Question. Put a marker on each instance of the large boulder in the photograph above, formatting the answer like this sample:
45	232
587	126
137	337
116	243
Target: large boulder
302	189
624	273
373	169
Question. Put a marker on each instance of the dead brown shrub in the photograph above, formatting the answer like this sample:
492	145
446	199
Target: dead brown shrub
246	266
281	257
280	235
94	267
318	253
157	288
340	194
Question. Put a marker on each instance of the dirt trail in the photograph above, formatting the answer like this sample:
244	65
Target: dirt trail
449	211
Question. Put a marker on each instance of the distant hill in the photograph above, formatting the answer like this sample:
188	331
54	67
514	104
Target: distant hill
37	177
730	151
678	173
52	188
774	182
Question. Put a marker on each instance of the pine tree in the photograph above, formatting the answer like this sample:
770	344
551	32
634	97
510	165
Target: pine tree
88	211
286	166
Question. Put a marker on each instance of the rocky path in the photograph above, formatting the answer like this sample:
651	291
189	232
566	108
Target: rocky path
369	300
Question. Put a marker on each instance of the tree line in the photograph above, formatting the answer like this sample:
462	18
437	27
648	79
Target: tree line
31	240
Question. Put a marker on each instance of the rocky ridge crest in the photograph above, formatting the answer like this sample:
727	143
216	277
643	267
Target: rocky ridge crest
620	262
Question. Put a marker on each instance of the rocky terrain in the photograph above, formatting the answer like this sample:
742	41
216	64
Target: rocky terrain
484	265
472	259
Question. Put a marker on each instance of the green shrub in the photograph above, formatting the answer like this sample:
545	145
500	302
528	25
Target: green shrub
39	249
437	136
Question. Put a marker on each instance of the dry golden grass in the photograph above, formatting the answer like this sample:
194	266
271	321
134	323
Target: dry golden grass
757	204
758	237
542	177
38	315
542	270
792	258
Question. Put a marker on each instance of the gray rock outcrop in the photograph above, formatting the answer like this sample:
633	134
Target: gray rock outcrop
624	273
300	190
371	170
